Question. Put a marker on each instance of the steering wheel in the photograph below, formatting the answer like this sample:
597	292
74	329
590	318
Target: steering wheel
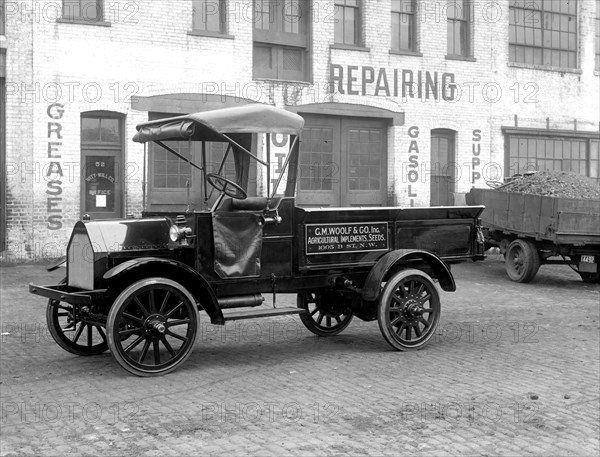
224	185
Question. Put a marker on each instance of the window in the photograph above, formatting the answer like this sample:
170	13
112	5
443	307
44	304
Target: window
553	152
281	39
404	32
209	16
543	32
2	6
459	25
597	35
82	10
347	22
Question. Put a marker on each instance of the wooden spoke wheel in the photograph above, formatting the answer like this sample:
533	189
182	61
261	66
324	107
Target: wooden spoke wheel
327	314
522	260
70	333
409	310
152	326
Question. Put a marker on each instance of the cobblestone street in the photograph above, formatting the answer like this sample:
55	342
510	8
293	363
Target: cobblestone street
513	370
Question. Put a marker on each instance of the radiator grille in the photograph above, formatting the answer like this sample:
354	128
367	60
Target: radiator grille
80	262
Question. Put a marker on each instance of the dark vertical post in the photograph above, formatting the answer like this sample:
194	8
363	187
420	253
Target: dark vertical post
268	164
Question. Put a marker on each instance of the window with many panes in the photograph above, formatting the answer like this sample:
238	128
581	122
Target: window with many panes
82	10
404	29
281	44
543	32
365	157
597	35
347	22
552	153
209	16
458	14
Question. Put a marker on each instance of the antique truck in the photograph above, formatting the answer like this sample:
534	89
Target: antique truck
532	230
135	286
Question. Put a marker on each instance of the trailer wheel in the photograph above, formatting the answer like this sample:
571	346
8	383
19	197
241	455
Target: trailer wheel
409	309
159	319
590	277
326	314
72	335
522	260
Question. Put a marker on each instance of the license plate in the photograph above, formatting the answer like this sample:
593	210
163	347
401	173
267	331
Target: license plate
587	258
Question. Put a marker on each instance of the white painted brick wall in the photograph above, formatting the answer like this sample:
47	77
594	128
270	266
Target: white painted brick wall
147	51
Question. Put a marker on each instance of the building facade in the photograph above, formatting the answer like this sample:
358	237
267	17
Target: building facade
406	102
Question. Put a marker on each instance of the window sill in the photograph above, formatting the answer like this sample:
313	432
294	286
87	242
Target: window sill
349	47
208	33
398	52
526	66
285	81
463	58
83	22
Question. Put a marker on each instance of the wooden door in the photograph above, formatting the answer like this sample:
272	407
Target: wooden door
343	162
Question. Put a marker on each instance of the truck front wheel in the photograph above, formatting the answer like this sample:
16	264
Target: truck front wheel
522	260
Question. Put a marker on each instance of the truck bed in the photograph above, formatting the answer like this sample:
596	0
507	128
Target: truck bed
559	220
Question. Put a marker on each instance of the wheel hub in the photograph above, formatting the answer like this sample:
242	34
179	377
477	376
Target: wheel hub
413	309
155	324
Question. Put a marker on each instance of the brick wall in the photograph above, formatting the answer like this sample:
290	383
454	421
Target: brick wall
147	51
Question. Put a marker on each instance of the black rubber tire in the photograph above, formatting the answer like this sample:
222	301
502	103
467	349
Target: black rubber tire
334	320
140	311
522	260
402	306
94	337
590	277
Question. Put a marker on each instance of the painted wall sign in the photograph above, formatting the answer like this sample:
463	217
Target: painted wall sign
54	174
413	163
392	82
475	175
100	184
339	238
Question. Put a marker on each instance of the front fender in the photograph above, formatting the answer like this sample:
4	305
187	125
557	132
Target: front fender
389	261
178	271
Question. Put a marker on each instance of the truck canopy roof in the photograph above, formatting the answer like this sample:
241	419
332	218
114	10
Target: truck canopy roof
210	125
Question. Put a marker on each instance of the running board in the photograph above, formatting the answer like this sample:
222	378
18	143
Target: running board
256	313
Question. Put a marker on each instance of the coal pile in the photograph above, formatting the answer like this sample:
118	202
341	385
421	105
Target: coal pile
554	184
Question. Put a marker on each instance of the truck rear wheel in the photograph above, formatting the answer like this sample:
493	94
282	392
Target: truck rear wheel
409	310
152	326
326	314
522	260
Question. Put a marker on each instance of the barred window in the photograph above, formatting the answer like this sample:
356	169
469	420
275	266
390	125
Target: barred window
459	28
543	32
347	22
82	10
209	15
404	30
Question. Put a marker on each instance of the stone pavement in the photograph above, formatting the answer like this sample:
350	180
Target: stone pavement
513	370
